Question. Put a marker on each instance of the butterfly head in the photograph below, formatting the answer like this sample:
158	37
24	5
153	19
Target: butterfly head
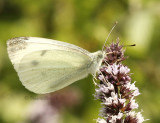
97	60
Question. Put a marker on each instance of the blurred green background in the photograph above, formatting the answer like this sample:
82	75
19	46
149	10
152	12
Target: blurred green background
85	23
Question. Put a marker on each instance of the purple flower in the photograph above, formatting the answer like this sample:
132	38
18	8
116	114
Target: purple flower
115	90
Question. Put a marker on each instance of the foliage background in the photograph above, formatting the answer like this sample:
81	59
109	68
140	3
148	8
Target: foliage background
85	23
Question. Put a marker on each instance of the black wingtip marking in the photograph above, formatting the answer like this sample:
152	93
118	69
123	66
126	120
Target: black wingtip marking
17	40
16	44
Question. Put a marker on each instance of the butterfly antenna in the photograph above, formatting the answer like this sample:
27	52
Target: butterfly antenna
129	45
109	34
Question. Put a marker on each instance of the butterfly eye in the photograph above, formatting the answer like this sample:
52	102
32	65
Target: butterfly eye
100	55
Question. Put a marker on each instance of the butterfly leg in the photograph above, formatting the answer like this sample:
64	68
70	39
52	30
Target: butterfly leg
94	78
103	77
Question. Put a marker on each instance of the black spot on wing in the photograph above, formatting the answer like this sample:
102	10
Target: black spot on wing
43	52
34	63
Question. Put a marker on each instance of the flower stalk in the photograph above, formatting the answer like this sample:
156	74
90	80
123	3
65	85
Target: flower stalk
115	90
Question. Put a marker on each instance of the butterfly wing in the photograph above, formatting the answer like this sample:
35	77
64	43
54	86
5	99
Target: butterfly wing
45	65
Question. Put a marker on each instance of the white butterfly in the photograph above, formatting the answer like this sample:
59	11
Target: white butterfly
45	65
